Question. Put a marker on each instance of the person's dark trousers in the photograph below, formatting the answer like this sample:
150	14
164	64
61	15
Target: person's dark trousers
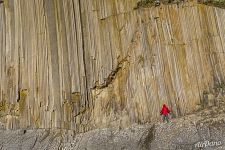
165	118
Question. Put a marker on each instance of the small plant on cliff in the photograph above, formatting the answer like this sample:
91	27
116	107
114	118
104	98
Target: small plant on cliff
150	3
217	3
145	3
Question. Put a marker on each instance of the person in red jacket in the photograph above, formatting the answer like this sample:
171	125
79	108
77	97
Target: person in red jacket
165	112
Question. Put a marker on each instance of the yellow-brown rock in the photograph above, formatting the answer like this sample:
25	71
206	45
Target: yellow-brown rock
85	64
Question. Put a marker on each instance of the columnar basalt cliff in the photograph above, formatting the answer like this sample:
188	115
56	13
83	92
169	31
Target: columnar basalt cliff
86	64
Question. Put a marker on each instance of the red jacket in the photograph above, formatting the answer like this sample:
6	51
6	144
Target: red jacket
165	110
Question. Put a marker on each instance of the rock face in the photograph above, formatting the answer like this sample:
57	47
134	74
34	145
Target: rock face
86	64
204	130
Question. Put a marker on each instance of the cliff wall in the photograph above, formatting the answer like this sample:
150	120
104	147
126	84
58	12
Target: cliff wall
99	63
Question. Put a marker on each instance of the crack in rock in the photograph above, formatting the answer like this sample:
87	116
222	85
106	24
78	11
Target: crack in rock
111	77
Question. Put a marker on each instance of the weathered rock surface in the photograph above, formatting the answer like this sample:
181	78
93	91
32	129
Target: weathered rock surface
72	66
105	139
185	133
152	3
87	64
